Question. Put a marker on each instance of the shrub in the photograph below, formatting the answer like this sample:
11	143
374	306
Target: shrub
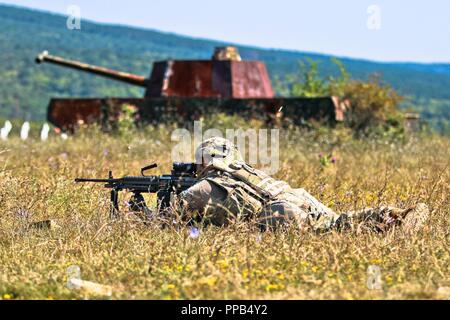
373	106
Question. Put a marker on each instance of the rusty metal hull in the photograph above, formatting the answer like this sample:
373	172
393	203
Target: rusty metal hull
68	114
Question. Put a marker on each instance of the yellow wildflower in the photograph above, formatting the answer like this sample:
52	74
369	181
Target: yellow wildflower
167	269
223	264
272	287
271	270
376	261
209	281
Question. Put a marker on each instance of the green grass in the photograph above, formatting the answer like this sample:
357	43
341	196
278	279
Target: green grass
148	262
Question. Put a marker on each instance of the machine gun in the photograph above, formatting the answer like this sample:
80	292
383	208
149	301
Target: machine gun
183	176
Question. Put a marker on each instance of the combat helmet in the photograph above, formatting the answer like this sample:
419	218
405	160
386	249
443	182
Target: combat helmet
218	152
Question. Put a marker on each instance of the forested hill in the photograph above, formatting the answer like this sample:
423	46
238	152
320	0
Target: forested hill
25	87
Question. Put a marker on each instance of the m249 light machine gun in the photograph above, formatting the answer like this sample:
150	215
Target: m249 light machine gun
182	177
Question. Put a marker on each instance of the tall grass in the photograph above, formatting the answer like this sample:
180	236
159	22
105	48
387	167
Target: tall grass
36	183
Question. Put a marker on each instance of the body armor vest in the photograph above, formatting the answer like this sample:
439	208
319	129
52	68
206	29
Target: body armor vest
251	191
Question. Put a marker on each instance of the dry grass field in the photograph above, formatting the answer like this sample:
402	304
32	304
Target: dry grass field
236	262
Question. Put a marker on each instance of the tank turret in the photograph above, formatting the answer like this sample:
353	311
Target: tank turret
224	76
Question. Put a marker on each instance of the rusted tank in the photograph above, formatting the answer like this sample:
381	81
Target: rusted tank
180	90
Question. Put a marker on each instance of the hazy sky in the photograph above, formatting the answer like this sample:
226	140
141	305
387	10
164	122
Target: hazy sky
393	30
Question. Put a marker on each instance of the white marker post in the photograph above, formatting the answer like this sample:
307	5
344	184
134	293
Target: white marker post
4	132
25	130
44	132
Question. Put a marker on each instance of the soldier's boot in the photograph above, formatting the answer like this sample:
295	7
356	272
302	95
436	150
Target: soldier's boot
410	219
370	219
384	218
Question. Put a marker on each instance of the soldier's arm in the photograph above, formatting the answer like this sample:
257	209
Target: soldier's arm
201	198
197	197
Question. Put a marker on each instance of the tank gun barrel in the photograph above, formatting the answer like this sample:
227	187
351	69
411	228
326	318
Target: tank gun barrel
108	73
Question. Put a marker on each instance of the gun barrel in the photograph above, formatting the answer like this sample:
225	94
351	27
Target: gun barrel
94	180
108	73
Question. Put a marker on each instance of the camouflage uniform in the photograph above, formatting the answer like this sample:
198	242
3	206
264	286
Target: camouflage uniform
229	189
